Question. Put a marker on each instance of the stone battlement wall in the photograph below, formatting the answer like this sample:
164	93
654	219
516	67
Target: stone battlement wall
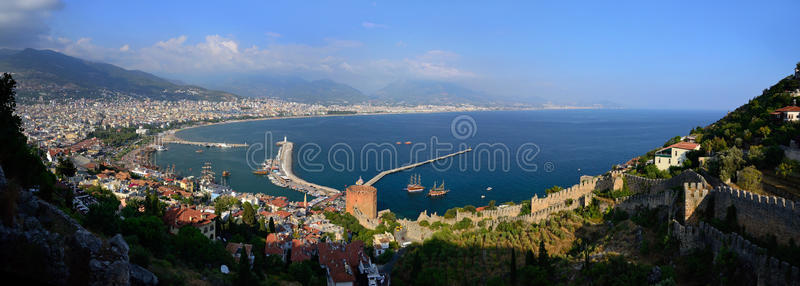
769	270
641	184
645	200
575	192
759	215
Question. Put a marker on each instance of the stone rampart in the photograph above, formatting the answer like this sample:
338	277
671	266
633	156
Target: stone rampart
760	215
575	193
638	184
769	270
645	200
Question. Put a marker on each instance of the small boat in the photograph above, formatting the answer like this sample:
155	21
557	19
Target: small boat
483	196
437	191
199	151
226	174
398	143
489	188
408	142
415	185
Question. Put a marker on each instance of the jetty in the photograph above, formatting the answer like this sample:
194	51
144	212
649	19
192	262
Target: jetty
169	137
285	167
411	166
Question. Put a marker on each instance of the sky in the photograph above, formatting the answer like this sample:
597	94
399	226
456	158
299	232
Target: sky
638	54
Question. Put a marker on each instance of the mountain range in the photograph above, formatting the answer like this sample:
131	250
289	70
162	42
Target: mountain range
49	74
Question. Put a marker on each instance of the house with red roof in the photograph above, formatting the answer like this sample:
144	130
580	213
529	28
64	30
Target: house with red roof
674	155
178	217
787	114
238	249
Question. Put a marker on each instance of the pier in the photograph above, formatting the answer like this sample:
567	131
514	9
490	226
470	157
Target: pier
411	166
169	137
285	167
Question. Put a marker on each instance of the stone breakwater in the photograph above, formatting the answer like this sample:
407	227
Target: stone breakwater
768	270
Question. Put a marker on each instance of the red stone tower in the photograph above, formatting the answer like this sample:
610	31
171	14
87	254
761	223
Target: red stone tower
362	197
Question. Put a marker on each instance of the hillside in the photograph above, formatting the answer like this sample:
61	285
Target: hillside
50	74
753	123
293	89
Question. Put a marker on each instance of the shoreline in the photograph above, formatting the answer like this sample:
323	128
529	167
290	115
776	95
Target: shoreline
175	131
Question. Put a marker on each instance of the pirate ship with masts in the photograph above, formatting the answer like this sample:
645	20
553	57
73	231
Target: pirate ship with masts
437	191
415	185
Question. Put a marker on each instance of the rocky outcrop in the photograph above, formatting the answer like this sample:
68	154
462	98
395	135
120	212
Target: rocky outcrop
43	245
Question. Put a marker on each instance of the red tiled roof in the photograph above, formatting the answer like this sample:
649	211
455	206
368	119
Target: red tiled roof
178	217
789	109
234	248
683	145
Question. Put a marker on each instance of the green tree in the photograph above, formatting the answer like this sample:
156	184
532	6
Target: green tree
20	163
544	258
553	189
243	275
749	178
785	169
764	131
513	267
65	168
271	225
248	214
150	231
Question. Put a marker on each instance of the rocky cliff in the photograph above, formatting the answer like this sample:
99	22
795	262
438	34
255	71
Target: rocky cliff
40	243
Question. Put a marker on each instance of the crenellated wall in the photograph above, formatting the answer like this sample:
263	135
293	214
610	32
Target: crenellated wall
645	200
758	215
641	184
769	270
576	192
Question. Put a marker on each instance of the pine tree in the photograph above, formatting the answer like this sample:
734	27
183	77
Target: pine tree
271	225
249	215
544	258
244	277
513	267
530	258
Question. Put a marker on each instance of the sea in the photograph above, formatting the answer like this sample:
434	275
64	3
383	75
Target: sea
518	154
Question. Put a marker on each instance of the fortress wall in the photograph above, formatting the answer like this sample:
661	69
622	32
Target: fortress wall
646	200
760	215
575	193
769	270
640	184
694	199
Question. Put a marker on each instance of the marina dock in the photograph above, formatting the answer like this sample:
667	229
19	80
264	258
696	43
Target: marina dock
411	166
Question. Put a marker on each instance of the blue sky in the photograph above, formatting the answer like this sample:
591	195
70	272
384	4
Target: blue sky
641	54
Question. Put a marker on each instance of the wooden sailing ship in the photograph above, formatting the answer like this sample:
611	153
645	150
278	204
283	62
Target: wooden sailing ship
437	191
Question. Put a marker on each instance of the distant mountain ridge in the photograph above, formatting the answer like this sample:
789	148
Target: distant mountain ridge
292	88
416	92
50	74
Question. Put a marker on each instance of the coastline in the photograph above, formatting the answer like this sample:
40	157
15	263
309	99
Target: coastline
175	131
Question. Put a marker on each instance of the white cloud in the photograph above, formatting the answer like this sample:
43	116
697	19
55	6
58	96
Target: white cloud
336	59
23	23
273	35
371	25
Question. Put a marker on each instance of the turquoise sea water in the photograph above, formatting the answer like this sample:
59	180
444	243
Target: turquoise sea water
517	153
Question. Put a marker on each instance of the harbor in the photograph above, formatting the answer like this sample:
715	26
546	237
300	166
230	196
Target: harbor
285	177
